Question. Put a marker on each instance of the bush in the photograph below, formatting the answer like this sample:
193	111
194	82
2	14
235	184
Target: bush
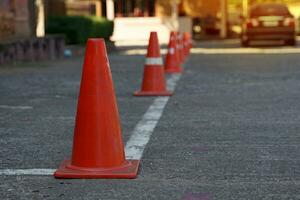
77	29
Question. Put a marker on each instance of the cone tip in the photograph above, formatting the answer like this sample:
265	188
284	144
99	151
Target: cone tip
153	33
96	46
96	40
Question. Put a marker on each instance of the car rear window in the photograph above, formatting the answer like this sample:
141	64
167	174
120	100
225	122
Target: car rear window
269	10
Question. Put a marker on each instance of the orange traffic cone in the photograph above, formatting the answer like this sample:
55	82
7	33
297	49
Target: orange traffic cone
154	83
180	48
98	150
187	42
172	64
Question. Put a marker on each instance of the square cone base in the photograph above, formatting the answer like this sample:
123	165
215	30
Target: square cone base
174	71
143	93
128	171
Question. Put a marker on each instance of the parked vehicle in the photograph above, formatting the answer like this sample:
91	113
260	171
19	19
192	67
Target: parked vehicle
269	21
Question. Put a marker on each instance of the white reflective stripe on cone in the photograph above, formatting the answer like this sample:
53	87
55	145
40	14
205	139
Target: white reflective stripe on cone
154	61
171	51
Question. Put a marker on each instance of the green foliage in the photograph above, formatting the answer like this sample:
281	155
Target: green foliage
77	29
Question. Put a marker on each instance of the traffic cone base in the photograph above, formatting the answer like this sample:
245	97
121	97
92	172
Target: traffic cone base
128	170
147	93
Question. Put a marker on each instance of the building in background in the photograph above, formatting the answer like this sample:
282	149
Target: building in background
27	17
14	18
134	19
21	18
139	17
7	26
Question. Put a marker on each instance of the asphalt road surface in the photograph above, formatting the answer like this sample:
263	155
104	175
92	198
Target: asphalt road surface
231	131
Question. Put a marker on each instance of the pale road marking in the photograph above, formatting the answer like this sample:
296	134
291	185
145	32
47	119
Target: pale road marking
245	50
279	50
154	61
16	107
141	52
60	118
137	142
143	130
19	172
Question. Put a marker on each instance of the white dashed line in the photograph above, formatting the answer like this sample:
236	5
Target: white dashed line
19	172
246	50
145	127
280	50
16	107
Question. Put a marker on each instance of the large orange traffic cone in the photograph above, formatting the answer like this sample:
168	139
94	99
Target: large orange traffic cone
98	150
172	63
154	83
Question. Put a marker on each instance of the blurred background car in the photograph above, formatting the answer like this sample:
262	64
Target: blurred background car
269	21
206	27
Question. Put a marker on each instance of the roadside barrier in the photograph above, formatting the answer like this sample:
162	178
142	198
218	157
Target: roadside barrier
32	49
98	150
172	64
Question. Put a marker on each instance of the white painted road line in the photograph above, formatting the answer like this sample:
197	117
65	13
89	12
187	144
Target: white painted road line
284	50
141	51
137	142
143	130
16	107
34	172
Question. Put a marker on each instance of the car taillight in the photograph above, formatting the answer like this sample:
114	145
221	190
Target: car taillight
289	22
252	23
